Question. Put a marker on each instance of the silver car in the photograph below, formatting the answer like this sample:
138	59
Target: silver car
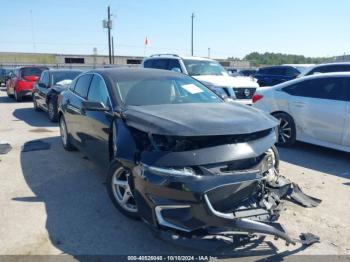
313	109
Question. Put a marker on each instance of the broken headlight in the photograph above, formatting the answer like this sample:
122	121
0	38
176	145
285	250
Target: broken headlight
187	171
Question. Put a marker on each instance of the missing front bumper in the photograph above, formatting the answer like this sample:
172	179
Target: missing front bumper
190	207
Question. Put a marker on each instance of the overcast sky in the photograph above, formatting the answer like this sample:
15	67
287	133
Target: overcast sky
228	27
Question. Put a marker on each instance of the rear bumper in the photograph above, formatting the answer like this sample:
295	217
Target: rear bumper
25	93
24	86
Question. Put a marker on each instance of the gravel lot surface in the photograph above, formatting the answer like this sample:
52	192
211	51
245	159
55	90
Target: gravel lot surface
55	202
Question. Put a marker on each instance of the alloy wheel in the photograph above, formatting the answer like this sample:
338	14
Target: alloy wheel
284	131
121	190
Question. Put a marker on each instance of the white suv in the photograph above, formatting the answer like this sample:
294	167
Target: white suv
210	73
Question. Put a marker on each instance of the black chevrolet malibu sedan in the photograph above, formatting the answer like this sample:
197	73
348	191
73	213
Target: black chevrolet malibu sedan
180	158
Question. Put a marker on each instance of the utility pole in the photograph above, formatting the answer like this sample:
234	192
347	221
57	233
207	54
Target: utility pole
208	52
192	17
112	50
109	24
95	56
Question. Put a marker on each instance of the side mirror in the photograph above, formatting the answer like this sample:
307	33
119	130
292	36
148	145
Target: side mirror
176	69
94	106
43	85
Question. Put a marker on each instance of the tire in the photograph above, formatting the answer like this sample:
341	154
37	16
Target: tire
117	191
52	110
35	104
65	137
286	130
17	96
8	94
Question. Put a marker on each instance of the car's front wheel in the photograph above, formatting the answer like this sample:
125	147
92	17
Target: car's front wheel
35	104
119	190
286	130
65	135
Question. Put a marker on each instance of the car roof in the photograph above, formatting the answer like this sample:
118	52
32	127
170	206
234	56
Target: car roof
339	63
34	66
323	65
64	70
174	56
276	66
126	72
318	76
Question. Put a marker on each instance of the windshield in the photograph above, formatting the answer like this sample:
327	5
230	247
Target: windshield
32	71
64	78
203	67
163	90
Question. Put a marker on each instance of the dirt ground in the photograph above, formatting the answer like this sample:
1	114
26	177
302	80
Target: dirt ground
55	202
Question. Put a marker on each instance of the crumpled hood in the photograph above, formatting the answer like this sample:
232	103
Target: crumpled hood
198	119
227	81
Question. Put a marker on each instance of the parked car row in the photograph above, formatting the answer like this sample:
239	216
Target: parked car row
48	87
22	80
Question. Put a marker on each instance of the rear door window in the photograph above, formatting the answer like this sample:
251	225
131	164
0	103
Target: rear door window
264	71
330	69
278	71
332	88
82	85
341	68
292	72
32	71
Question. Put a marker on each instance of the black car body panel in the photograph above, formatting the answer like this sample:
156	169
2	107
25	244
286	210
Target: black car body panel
194	168
198	119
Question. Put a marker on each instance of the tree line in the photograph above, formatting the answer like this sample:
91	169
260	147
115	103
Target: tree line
257	59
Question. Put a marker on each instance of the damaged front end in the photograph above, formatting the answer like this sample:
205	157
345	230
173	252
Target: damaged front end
197	187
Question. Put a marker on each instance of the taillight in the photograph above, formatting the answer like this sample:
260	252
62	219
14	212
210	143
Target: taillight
257	97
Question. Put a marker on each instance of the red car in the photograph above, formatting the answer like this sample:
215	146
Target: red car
22	80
